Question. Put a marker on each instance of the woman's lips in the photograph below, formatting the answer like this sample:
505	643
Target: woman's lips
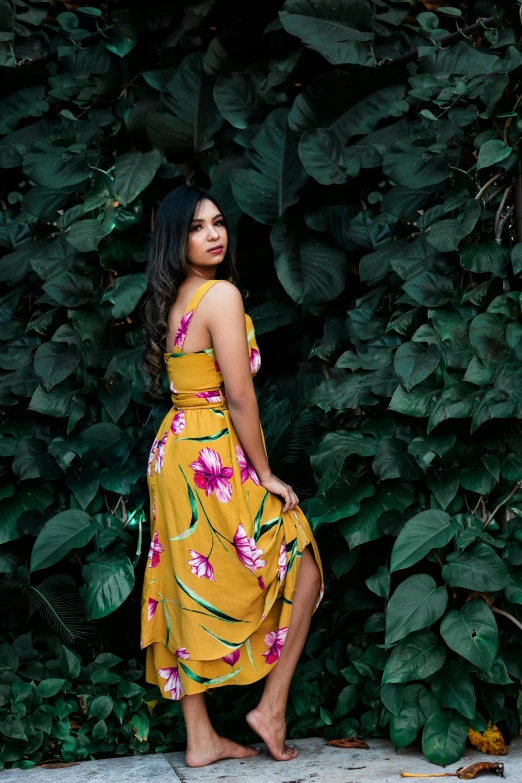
215	250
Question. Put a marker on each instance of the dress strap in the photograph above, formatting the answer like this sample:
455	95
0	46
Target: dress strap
190	309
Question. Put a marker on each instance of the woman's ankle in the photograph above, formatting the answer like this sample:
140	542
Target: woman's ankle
274	710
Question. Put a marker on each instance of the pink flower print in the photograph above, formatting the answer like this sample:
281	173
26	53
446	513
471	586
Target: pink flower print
209	396
173	683
247	471
151	609
255	360
160	454
216	365
200	566
232	657
274	641
295	515
154	509
260	583
178	422
173	388
320	598
151	456
212	476
182	329
247	551
182	653
281	563
154	551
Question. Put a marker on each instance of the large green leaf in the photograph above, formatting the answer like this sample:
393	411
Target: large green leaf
237	99
492	152
11	508
485	257
53	362
126	294
416	603
364	526
472	633
328	103
67	530
321	154
270	185
86	235
193	117
334	449
412	166
133	172
32	460
477	568
310	270
444	737
109	580
445	235
416	657
429	288
52	166
424	532
342	499
408	712
330	28
413	363
393	462
454	689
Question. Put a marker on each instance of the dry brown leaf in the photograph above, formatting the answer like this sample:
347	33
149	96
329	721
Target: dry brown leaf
472	770
463	773
348	742
490	741
58	764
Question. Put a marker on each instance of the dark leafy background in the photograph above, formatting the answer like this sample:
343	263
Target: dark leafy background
376	209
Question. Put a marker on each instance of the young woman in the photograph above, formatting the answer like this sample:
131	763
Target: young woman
233	573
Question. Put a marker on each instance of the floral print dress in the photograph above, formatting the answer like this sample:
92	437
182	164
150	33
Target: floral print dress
223	558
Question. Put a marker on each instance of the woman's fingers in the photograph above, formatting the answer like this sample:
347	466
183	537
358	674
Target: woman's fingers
286	495
291	499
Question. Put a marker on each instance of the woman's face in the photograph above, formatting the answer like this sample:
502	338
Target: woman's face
208	238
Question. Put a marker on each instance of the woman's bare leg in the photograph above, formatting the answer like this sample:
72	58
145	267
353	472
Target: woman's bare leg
204	745
268	718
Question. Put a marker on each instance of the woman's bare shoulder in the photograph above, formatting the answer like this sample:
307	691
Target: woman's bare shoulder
224	294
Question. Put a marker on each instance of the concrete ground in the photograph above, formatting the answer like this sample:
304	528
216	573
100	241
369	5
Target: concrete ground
316	763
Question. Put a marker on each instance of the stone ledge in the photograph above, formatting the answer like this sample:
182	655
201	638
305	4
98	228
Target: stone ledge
316	763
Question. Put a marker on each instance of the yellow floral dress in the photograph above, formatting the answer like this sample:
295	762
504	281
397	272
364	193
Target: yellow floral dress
223	558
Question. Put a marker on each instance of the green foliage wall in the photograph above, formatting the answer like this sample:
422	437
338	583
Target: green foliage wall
376	209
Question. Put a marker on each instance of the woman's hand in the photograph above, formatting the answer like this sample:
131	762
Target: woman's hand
278	487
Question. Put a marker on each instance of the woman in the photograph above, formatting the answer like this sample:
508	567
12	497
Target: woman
233	572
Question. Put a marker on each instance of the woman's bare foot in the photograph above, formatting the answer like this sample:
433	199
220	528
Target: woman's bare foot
272	730
218	748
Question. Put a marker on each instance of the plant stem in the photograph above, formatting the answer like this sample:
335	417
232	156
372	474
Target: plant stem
488	183
448	40
509	616
508	498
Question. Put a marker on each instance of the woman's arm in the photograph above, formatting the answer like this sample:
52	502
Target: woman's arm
225	319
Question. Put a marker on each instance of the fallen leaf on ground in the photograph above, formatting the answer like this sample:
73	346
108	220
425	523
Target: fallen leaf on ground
472	770
489	741
348	742
58	764
463	773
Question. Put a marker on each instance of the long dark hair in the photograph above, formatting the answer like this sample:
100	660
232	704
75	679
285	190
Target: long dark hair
167	268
